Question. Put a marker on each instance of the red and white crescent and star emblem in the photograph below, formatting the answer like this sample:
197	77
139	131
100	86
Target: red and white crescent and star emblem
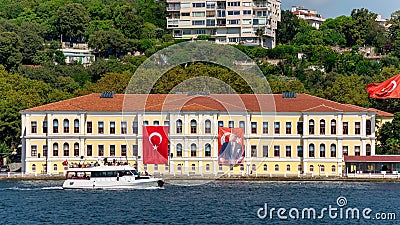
155	146
386	89
390	87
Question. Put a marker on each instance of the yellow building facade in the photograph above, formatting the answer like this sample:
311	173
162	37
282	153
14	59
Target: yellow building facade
303	136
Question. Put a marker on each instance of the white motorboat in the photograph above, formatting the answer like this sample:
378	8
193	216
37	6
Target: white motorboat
109	177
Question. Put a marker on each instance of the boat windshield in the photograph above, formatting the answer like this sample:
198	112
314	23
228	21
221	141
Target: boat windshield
78	175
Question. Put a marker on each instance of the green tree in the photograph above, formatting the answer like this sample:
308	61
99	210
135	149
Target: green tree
10	50
348	90
279	86
5	151
72	21
20	93
116	82
388	137
365	31
288	27
110	42
31	40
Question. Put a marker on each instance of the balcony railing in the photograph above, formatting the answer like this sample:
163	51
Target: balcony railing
176	8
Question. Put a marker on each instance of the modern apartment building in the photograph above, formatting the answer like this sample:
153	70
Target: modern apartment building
284	135
311	16
227	22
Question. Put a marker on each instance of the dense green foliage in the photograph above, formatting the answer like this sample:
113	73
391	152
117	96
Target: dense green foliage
329	62
389	137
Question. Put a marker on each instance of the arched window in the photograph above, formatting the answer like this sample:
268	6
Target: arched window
179	167
66	126
179	150
368	127
333	169
241	167
208	150
368	149
265	167
193	149
322	150
299	168
322	127
311	150
253	167
322	169
207	127
179	126
333	126
76	126
311	127
55	149
193	127
34	168
66	149
55	168
55	126
207	167
76	149
288	168
333	150
276	168
311	168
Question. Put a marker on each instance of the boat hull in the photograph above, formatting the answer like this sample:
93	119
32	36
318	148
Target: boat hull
113	183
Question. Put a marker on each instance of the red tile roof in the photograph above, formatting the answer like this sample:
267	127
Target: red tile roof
381	113
375	158
213	102
322	108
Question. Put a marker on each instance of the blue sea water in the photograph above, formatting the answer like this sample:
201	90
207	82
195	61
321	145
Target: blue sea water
186	202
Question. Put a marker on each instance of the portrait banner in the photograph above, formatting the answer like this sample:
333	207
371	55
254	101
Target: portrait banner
230	145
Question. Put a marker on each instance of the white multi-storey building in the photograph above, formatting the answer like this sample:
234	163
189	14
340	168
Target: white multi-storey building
311	16
227	22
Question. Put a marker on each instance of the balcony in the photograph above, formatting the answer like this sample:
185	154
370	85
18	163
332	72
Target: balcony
173	17
174	8
261	6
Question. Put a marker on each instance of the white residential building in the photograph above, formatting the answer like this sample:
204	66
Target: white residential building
311	16
227	22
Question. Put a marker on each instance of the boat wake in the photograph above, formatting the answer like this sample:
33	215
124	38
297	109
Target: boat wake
52	188
18	189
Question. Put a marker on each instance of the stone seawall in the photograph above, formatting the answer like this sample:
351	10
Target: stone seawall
19	176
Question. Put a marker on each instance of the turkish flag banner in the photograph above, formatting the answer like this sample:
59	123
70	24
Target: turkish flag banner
387	89
230	145
155	144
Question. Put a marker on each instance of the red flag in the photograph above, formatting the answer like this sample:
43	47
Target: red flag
155	144
230	145
387	89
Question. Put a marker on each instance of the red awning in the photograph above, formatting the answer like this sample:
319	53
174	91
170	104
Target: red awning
375	158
